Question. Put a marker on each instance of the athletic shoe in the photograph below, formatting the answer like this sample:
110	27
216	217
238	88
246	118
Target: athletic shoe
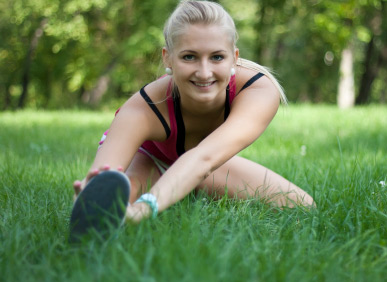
100	208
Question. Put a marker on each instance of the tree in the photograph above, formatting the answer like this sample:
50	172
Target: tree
346	91
26	71
303	39
376	52
75	47
63	53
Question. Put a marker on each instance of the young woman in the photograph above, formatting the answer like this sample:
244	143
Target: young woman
184	131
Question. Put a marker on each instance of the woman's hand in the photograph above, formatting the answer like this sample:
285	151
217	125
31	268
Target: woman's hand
80	185
137	211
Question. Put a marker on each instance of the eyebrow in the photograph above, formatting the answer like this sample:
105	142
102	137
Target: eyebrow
192	51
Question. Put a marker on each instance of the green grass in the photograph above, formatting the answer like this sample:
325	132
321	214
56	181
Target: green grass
339	157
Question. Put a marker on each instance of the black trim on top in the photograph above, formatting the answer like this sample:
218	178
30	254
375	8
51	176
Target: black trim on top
156	111
180	142
180	149
227	104
252	80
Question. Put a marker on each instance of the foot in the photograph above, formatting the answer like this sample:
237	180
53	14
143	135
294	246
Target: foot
100	208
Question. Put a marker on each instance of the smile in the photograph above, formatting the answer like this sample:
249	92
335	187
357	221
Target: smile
203	84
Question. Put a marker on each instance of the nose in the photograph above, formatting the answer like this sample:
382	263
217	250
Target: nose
204	71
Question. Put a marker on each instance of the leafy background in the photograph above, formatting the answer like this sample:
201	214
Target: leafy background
96	53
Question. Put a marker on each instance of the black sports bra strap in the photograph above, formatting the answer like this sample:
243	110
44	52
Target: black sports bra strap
180	142
227	104
252	80
156	111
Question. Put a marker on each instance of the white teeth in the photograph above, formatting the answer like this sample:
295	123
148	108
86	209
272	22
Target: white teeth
203	84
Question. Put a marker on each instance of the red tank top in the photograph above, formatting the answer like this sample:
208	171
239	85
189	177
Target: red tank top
169	150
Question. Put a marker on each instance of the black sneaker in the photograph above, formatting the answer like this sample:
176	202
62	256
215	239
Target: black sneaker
100	208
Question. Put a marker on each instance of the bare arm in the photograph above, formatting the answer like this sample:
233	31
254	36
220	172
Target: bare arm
134	124
251	113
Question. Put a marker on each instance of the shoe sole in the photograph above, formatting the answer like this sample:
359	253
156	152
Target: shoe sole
101	206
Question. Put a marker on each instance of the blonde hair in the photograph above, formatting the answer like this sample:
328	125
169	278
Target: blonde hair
266	71
197	12
190	12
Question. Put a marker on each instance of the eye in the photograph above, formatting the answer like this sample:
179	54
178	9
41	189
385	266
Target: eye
188	57
218	57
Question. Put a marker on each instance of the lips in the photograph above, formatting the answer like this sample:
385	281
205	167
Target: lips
203	84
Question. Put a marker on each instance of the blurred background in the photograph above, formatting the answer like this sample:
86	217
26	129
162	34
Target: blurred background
57	54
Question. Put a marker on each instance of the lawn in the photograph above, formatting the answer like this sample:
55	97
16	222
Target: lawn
337	156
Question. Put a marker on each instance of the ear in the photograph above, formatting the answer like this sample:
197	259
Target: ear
236	55
166	57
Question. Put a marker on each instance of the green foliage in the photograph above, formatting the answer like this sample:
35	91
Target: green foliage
338	157
81	39
302	41
84	40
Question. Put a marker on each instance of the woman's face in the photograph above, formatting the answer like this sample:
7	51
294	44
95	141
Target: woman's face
201	61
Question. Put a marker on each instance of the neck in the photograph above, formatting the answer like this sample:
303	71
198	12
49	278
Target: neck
202	109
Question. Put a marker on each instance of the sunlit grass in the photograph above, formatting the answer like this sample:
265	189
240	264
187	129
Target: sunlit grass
336	156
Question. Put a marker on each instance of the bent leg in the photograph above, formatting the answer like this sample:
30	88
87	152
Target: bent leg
143	173
242	178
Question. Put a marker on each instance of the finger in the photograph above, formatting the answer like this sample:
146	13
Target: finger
92	173
105	167
77	187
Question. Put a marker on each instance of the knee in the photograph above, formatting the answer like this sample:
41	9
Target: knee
309	202
304	200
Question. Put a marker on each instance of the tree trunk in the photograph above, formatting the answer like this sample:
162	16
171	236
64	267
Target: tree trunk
376	56
259	30
7	98
383	96
371	70
94	96
26	72
346	93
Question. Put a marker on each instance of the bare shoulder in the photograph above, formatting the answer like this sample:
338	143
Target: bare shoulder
137	108
263	87
251	111
156	91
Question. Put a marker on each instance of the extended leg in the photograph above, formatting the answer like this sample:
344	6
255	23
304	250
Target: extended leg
244	179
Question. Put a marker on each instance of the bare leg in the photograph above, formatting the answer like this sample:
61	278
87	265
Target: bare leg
239	177
242	178
142	173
